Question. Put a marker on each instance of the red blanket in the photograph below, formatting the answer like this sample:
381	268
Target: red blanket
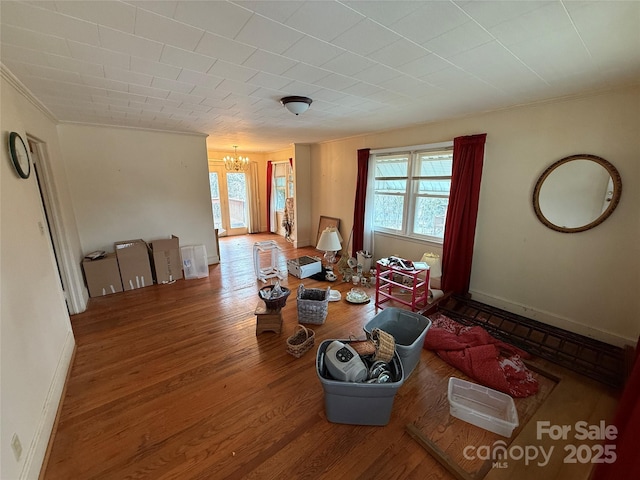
482	357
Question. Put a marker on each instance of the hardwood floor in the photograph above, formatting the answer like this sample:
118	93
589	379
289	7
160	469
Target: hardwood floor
172	382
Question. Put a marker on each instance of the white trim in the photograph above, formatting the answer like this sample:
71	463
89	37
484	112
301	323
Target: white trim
551	319
25	92
38	448
131	127
76	293
412	148
413	157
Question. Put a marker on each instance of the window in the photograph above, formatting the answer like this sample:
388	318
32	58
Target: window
411	192
282	184
215	200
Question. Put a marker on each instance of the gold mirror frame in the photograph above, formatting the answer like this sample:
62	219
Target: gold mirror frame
613	202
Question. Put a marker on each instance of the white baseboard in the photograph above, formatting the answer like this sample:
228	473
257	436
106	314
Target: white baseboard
552	319
38	447
298	243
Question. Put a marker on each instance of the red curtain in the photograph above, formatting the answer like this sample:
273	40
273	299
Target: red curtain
627	421
269	181
361	195
460	228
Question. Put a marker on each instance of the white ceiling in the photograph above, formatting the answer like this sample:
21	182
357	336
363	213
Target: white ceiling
220	67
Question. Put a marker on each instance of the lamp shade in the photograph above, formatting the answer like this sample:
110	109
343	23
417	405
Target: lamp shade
329	241
296	105
435	265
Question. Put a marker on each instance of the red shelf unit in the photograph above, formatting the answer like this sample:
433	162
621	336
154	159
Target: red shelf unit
405	283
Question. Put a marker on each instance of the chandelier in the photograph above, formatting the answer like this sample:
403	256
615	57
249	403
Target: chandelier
236	163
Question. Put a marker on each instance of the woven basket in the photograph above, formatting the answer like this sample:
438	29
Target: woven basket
379	345
301	341
276	303
312	305
363	347
385	345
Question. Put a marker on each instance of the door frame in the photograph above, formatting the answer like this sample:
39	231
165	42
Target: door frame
221	171
70	277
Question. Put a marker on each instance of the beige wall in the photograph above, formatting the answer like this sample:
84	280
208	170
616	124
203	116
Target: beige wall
127	184
36	337
586	282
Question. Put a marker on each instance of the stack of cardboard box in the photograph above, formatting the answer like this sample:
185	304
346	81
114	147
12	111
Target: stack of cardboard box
130	267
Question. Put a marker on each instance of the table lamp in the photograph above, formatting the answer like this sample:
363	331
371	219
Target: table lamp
330	243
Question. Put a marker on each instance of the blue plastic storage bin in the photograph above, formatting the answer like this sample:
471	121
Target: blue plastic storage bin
358	403
408	330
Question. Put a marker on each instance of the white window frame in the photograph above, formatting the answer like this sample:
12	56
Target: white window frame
410	195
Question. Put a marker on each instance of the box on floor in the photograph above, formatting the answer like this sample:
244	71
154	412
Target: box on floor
102	275
304	267
135	267
167	265
194	261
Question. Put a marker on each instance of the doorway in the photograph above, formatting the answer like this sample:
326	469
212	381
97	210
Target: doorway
228	201
53	227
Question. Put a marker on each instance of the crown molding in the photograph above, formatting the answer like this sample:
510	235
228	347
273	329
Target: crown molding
133	127
7	75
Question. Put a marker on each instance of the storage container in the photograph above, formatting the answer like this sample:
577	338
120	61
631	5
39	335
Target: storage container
365	259
312	304
304	267
358	403
408	330
194	261
482	406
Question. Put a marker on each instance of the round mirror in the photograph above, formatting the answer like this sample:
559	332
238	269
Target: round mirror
577	193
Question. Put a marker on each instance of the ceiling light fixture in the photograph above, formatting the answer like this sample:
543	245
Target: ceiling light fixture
296	105
235	163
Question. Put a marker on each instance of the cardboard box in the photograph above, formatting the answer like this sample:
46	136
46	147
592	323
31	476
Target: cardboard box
102	275
167	265
135	267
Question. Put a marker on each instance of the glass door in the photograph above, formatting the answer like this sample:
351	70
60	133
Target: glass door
228	200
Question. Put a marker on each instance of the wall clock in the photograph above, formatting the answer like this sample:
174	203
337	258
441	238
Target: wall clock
19	155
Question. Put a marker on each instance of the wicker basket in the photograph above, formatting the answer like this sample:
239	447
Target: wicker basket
363	347
276	303
301	341
312	305
385	345
379	345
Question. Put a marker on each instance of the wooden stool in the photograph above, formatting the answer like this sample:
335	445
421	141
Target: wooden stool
268	320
